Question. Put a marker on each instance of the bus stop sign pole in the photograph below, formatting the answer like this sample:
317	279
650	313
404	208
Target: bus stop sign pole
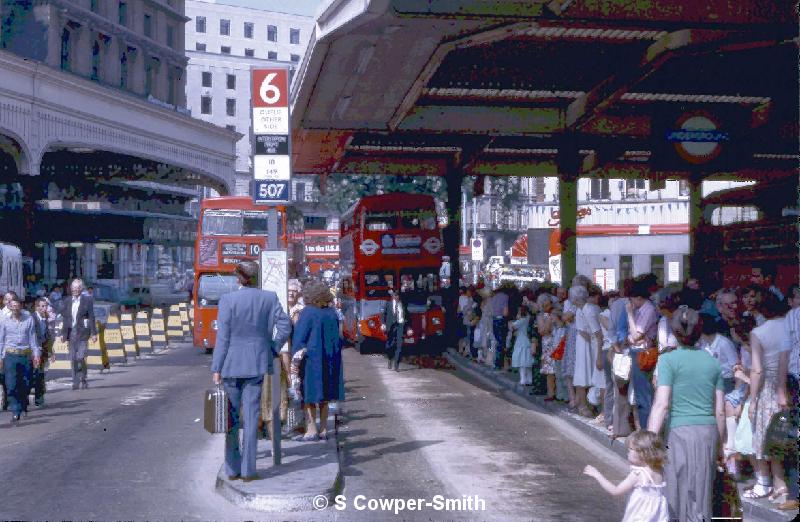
272	244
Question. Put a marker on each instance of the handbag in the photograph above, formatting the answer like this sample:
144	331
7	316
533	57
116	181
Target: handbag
558	353
647	358
782	433
622	366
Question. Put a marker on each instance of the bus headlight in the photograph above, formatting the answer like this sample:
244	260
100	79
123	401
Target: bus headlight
214	325
410	332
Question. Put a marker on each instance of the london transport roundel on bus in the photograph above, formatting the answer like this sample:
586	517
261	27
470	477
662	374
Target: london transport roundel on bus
369	247
432	245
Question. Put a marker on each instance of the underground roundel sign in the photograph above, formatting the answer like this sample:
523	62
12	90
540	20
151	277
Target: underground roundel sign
698	138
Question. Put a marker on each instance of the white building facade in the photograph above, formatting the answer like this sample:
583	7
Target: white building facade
625	228
223	43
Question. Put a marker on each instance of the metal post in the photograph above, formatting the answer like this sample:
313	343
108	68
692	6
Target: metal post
475	264
463	217
272	244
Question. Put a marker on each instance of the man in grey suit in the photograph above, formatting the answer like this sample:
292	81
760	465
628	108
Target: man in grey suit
79	326
252	326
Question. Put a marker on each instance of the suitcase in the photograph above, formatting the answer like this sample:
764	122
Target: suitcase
216	410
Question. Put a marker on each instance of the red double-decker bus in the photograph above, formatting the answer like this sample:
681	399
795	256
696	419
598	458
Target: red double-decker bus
229	230
391	241
321	251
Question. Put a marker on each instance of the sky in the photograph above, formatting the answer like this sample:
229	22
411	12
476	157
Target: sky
301	7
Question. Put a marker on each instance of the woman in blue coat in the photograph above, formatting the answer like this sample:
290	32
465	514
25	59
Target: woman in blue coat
317	330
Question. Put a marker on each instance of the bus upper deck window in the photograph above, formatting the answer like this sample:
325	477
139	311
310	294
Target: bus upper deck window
379	221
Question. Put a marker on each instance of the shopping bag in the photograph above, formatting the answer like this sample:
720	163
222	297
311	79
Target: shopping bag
215	409
622	366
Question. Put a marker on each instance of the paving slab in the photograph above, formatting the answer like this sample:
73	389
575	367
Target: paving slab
309	475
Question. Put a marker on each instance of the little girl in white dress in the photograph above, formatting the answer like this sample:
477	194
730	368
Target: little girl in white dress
647	502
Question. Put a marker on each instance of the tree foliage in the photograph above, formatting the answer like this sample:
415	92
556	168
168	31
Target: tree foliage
343	190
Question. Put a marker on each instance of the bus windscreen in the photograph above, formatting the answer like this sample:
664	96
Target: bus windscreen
237	223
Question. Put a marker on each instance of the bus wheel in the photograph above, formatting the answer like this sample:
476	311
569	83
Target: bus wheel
209	351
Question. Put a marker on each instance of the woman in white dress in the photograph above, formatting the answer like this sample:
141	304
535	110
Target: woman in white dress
587	343
522	356
768	396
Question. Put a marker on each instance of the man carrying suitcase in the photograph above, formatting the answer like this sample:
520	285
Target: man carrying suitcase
252	326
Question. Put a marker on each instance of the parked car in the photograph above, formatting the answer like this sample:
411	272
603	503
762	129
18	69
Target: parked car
159	294
109	300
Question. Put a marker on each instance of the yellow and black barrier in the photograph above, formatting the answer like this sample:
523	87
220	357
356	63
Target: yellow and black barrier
142	329
187	328
96	356
128	335
174	325
62	366
112	341
158	332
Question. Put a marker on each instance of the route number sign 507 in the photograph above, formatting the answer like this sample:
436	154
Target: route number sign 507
272	190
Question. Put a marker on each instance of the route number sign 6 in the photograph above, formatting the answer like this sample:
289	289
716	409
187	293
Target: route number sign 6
270	88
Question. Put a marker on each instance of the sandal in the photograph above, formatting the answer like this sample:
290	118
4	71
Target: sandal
752	494
777	494
323	435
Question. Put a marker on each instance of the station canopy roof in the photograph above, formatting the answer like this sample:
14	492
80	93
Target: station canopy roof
650	89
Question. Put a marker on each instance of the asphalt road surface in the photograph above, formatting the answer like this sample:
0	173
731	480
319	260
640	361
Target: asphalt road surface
133	447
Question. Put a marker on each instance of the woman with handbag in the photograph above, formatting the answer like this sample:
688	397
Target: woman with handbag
769	367
643	330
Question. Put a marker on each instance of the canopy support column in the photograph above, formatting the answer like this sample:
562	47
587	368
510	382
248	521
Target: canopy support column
569	163
451	236
696	265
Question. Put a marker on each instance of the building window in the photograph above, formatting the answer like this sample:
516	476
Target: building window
148	26
66	49
657	267
173	76
123	13
600	189
230	107
150	71
170	36
295	58
249	53
206	82
225	27
231	127
272	33
123	69
633	186
231	81
225	49
105	263
96	61
294	36
200	24
248	29
199	46
205	104
625	267
272	55
300	192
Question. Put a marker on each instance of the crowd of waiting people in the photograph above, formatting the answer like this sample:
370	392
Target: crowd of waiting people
706	366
